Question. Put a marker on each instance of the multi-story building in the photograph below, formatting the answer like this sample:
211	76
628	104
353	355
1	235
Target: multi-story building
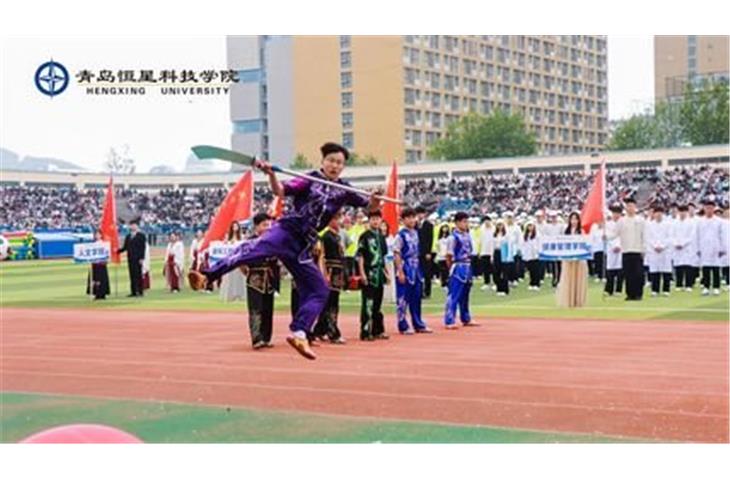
392	97
689	58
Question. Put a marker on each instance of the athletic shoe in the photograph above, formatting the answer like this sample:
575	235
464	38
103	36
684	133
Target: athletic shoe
269	345
301	345
382	336
259	345
654	294
665	294
367	339
452	327
501	294
678	289
494	288
424	330
716	291
338	341
484	287
406	332
688	289
197	280
472	323
705	292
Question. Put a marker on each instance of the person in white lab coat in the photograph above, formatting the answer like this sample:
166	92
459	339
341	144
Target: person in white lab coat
596	235
711	247
658	252
724	215
684	249
614	272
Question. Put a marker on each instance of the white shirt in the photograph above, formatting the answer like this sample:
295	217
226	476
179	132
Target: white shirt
530	248
486	241
630	231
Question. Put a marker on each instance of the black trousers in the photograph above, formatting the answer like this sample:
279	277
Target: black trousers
614	281
557	269
541	270
633	267
684	275
135	277
533	266
260	315
371	312
726	275
501	272
487	269
713	272
598	265
519	271
427	270
660	280
327	322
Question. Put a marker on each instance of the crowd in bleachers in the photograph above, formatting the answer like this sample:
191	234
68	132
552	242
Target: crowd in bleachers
185	210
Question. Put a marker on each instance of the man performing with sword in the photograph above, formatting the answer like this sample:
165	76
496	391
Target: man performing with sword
318	196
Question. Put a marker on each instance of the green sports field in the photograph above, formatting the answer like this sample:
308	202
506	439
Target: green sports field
60	284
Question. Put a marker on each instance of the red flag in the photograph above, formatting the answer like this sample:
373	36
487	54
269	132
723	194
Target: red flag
595	206
236	206
277	207
108	223
391	211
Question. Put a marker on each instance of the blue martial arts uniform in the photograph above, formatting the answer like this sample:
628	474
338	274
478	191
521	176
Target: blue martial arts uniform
408	294
460	280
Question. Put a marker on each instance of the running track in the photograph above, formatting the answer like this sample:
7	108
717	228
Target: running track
653	380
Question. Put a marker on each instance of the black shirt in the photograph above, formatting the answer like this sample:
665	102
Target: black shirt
373	248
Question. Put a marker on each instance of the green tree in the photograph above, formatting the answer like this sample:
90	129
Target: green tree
477	136
357	160
704	114
635	133
300	162
700	118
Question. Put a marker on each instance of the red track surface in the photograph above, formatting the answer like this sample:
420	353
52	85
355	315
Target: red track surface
651	380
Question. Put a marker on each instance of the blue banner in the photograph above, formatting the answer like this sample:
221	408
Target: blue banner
92	252
566	247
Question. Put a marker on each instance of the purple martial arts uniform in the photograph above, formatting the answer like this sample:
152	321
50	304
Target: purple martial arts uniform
291	239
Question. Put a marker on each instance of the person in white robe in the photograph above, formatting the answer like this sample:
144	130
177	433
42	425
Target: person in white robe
658	255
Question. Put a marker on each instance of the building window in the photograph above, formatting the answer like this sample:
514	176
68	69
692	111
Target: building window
433	41
436	100
345	59
345	41
347	100
247	126
348	140
347	120
346	80
249	76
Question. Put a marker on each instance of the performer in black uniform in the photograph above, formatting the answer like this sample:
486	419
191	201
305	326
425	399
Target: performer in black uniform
333	255
262	279
371	252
